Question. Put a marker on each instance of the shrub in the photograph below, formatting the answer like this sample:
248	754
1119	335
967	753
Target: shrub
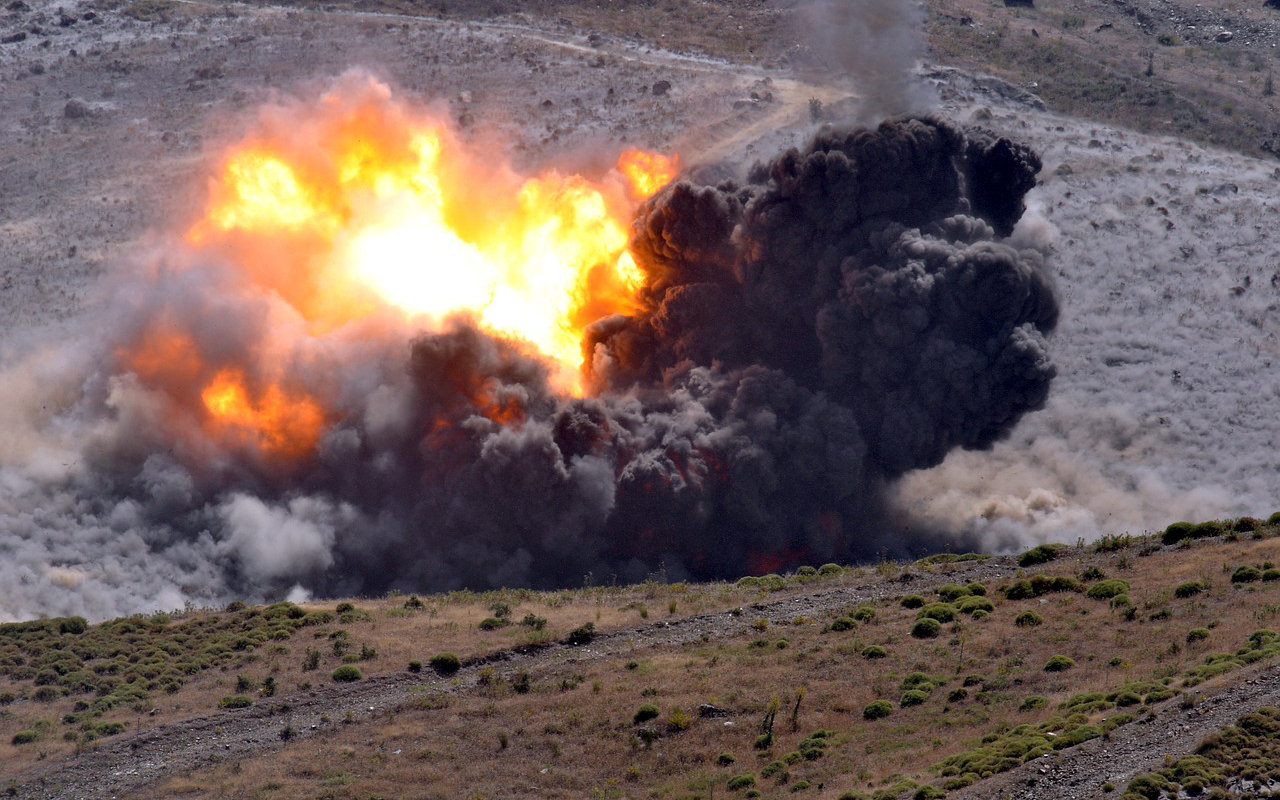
446	663
1197	635
346	673
1105	590
1058	664
974	604
843	624
235	701
1038	585
864	614
925	628
942	612
743	781
1176	532
1092	574
415	666
725	759
950	592
414	603
582	634
928	793
1189	589
1041	554
1028	619
873	651
645	713
877	709
1033	702
1246	574
534	621
26	736
912	697
828	570
678	720
913	601
493	623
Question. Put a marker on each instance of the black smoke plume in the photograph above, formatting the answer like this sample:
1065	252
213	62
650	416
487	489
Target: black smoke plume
850	312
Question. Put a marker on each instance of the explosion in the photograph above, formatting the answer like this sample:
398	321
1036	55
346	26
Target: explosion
382	359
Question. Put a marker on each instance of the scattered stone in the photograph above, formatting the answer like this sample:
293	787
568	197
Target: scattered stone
13	37
17	5
66	21
89	16
660	88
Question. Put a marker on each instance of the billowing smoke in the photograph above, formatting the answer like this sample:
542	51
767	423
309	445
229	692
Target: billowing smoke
878	43
851	312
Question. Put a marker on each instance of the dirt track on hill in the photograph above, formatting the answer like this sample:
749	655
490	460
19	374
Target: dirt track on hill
125	766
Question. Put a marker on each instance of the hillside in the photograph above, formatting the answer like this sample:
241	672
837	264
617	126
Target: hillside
831	681
1115	656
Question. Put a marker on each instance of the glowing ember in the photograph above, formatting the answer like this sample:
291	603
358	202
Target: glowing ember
355	210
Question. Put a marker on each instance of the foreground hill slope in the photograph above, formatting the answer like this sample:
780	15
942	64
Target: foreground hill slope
1088	663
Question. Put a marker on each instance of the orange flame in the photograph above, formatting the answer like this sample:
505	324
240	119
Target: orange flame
274	420
354	208
647	172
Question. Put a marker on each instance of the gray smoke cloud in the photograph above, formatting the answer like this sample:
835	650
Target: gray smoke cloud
855	310
878	43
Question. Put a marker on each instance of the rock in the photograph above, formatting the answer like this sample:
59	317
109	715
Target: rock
66	21
17	5
77	109
1224	36
710	711
13	37
660	88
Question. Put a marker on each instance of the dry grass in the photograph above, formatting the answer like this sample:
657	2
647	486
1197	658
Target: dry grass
573	734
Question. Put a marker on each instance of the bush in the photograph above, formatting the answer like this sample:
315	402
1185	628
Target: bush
913	697
1092	574
864	614
1041	554
415	666
235	701
1197	635
974	604
950	592
1246	574
926	628
873	651
744	781
725	759
877	709
534	621
446	663
25	736
645	713
928	793
1105	590
942	612
583	634
843	624
1176	532
1028	619
1189	589
493	623
828	570
1058	664
913	601
1037	585
346	673
1033	702
678	720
